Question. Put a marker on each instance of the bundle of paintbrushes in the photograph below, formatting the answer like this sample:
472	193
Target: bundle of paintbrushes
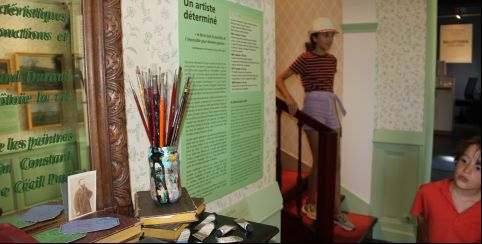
162	121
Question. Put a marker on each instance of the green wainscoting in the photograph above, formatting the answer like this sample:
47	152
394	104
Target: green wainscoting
50	176
359	27
396	178
398	137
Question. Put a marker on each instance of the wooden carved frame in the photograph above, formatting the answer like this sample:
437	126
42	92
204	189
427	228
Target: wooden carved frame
106	104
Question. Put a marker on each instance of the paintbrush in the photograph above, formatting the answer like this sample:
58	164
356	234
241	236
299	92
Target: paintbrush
173	103
141	89
139	109
181	112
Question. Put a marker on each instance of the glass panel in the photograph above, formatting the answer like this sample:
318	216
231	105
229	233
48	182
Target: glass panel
43	129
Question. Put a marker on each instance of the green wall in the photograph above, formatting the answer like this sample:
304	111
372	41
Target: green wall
398	160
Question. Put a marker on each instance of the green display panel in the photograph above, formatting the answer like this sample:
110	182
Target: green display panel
43	112
221	48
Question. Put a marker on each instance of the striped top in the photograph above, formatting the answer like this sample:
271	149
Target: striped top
317	72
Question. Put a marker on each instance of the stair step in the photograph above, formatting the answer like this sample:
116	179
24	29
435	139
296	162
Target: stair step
288	184
363	223
364	228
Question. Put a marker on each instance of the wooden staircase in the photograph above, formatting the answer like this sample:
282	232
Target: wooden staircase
305	231
296	227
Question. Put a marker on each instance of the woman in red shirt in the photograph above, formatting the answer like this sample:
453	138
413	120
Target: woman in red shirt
317	69
449	210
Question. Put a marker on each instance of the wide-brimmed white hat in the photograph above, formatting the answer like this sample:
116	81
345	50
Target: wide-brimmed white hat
321	25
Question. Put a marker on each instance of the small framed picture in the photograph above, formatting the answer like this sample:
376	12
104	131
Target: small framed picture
5	69
46	115
82	194
38	66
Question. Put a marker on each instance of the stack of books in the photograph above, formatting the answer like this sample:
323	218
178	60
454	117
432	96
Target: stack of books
166	222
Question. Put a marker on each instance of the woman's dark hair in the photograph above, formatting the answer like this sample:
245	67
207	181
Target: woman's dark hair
311	45
464	145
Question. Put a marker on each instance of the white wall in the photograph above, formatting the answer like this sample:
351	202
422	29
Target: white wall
150	39
359	74
359	124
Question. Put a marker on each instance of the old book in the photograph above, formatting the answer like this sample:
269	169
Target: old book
128	230
200	205
171	232
11	234
168	232
152	213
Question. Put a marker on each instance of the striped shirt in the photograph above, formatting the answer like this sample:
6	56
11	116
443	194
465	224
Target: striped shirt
317	72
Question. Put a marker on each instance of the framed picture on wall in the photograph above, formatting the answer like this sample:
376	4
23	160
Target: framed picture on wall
456	43
44	115
40	71
5	68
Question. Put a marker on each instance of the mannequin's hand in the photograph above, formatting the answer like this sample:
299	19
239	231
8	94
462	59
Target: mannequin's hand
292	106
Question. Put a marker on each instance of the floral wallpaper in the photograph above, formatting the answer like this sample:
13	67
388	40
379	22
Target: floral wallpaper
150	39
401	55
148	42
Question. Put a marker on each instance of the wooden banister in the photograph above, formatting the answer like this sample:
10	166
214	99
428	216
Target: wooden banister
327	156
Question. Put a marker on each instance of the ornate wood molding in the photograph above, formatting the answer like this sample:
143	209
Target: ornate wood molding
106	104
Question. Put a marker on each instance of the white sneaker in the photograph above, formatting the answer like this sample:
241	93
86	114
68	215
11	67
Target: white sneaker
310	210
342	220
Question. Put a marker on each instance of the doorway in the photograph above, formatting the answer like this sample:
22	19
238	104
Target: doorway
457	102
